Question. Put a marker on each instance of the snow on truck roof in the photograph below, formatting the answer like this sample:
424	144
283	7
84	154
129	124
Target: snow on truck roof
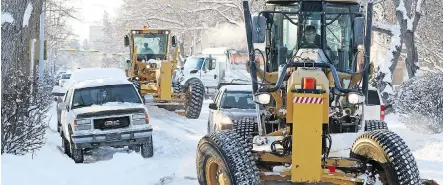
90	74
99	82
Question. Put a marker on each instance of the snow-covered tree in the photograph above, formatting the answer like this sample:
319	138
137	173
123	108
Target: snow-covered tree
420	101
189	20
402	33
24	101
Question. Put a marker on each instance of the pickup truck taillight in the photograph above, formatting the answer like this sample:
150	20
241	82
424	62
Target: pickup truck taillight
382	112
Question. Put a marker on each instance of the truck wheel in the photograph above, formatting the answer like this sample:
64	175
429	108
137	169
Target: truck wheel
245	128
371	125
76	153
147	149
194	102
224	158
65	145
177	88
388	156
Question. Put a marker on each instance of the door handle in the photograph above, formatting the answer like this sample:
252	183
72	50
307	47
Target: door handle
215	76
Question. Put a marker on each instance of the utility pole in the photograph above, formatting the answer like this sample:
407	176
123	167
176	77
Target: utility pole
41	62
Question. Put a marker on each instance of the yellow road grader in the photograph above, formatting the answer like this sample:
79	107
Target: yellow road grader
313	85
151	68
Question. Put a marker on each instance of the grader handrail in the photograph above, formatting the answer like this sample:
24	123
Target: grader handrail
308	64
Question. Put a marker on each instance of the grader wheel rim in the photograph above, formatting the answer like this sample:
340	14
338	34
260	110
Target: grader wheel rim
214	173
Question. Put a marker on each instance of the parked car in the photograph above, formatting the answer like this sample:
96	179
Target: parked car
103	111
231	103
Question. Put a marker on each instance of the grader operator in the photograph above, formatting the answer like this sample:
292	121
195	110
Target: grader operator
151	69
314	90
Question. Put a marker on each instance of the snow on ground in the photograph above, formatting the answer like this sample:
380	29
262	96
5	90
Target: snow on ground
175	141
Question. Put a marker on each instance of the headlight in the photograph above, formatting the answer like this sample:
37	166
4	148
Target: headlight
225	120
354	98
263	99
82	121
82	124
140	118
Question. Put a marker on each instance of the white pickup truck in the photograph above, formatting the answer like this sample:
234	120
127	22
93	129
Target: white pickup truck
103	111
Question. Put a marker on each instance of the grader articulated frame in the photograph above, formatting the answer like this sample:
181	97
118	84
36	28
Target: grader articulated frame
314	84
151	69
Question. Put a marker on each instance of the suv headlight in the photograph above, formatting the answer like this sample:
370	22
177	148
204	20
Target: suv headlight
140	119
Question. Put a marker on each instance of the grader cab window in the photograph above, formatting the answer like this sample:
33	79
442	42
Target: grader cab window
303	30
150	45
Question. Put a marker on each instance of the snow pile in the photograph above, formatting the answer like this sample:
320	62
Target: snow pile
420	101
431	150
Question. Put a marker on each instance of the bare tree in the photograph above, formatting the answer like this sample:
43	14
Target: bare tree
401	32
187	19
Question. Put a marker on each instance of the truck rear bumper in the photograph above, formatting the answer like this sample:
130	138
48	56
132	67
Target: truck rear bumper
124	138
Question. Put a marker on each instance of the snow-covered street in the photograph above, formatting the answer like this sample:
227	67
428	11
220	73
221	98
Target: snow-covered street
175	141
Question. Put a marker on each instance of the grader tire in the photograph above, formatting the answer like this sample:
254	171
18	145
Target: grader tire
194	103
389	153
371	125
245	127
225	156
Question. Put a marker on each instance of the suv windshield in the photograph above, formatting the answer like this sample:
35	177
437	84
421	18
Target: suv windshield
104	94
238	99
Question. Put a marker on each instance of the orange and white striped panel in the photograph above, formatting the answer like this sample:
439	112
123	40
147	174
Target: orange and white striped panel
308	100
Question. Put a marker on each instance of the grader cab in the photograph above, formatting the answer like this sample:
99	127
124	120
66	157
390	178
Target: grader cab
151	68
313	84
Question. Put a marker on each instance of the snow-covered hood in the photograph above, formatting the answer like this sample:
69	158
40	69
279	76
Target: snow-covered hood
107	109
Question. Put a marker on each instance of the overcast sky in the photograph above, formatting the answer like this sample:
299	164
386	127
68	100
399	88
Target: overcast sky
90	11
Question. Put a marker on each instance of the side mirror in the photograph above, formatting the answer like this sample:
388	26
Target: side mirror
55	98
174	41
258	29
126	41
262	99
62	106
359	26
213	106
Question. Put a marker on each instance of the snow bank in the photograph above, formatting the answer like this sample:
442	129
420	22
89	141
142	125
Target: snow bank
431	151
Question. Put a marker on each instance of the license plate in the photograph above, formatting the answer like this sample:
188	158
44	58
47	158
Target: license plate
113	137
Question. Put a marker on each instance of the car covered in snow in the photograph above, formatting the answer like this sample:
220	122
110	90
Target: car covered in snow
104	112
231	104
